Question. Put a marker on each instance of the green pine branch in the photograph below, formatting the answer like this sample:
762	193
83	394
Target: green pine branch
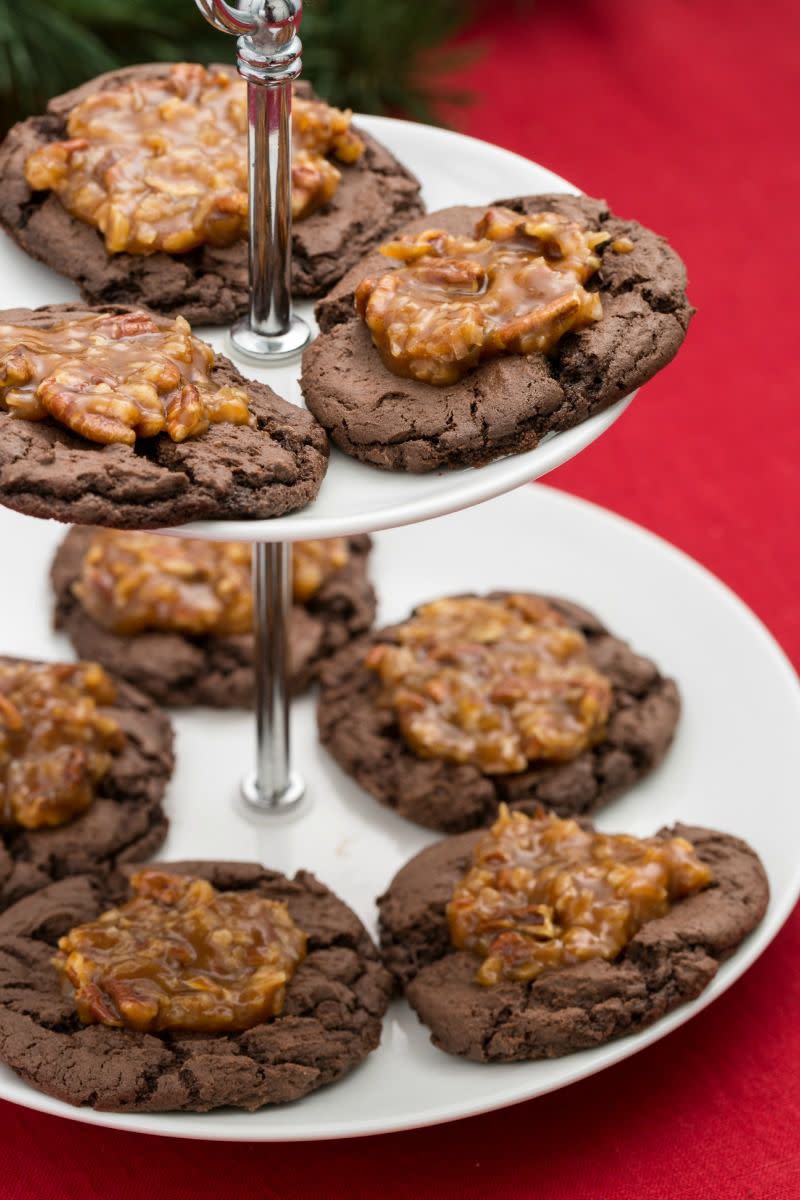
371	55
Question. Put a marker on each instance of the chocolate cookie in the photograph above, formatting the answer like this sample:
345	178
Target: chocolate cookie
668	962
125	822
230	471
505	405
330	1022
208	285
178	670
367	743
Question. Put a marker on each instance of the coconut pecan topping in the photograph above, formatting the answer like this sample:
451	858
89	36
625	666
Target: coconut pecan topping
161	164
515	288
56	743
114	378
132	582
544	893
182	956
496	683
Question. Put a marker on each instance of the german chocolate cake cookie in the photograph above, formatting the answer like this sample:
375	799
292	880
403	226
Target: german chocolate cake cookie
174	616
135	186
539	937
511	698
477	331
188	986
85	760
118	417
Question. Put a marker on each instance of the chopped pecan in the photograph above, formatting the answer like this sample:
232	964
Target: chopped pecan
182	956
161	164
500	684
131	582
516	288
543	893
55	743
116	377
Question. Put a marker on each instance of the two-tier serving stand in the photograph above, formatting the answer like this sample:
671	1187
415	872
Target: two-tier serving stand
268	58
312	816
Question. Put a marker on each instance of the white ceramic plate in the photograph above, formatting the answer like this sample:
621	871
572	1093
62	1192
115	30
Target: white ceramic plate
354	496
735	765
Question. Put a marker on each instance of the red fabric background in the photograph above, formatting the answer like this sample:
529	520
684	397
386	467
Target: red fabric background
682	112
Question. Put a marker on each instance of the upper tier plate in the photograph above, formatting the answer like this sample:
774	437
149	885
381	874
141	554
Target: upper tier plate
356	497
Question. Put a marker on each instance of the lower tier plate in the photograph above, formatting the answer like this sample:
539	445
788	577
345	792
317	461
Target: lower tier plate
735	765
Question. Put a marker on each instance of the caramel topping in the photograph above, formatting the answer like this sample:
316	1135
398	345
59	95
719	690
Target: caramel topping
115	378
317	131
516	288
496	683
622	245
543	893
132	582
182	956
161	164
55	744
314	563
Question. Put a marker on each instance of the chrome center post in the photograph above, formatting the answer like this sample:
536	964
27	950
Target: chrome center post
273	787
268	58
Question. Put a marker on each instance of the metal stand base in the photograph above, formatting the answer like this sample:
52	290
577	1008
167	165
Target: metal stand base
284	802
267	348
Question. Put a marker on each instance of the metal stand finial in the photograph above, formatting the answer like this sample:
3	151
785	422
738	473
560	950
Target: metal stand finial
268	58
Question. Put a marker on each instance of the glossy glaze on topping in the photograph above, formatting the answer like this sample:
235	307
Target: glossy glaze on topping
116	378
55	742
543	893
497	683
182	956
515	288
131	582
161	164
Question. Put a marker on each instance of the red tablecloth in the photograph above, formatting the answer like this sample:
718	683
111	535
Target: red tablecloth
682	112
